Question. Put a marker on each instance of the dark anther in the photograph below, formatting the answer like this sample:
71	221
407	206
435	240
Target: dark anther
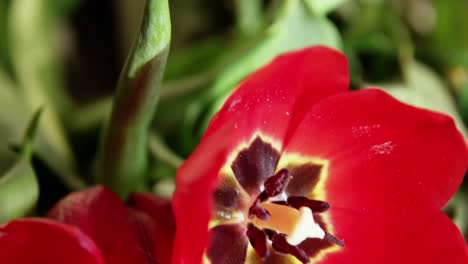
332	239
277	183
314	205
281	203
258	240
280	244
274	185
263	196
257	210
270	233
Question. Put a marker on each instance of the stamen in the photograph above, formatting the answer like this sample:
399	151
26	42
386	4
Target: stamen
286	221
332	239
270	233
314	205
280	244
258	240
282	218
257	210
297	225
277	183
281	203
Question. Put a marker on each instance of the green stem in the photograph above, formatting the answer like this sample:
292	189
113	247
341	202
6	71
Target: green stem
122	162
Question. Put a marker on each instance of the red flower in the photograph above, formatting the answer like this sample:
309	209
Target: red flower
92	227
294	167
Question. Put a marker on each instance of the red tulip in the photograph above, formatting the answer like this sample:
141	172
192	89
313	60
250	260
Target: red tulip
93	227
296	169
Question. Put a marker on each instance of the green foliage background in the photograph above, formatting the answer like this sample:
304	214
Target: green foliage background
65	55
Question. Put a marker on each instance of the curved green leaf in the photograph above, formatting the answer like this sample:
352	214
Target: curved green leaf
19	189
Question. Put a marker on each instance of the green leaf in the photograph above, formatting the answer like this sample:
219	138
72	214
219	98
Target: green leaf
11	126
27	144
5	58
423	88
462	99
458	208
32	28
294	28
19	189
122	161
449	33
323	7
62	7
248	16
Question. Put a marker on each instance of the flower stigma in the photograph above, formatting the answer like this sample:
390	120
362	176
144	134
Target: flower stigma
297	225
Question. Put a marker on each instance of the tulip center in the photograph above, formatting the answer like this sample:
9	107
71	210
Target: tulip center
284	221
273	201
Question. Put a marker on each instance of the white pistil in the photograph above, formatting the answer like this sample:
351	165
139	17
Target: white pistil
306	227
297	225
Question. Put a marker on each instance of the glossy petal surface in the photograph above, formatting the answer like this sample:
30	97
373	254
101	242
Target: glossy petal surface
274	98
118	231
196	181
266	101
388	237
382	153
42	241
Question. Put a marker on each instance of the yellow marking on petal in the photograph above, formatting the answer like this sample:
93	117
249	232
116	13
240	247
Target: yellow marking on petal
231	180
226	175
322	253
235	216
206	259
251	256
289	160
273	258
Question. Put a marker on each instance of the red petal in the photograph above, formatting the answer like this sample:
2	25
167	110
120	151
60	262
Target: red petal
42	241
193	199
280	92
266	101
160	210
388	237
100	214
382	153
144	229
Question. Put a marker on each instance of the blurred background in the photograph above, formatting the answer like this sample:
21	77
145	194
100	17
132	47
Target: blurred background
66	56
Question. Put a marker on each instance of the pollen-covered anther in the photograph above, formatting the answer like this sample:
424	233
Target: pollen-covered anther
297	225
